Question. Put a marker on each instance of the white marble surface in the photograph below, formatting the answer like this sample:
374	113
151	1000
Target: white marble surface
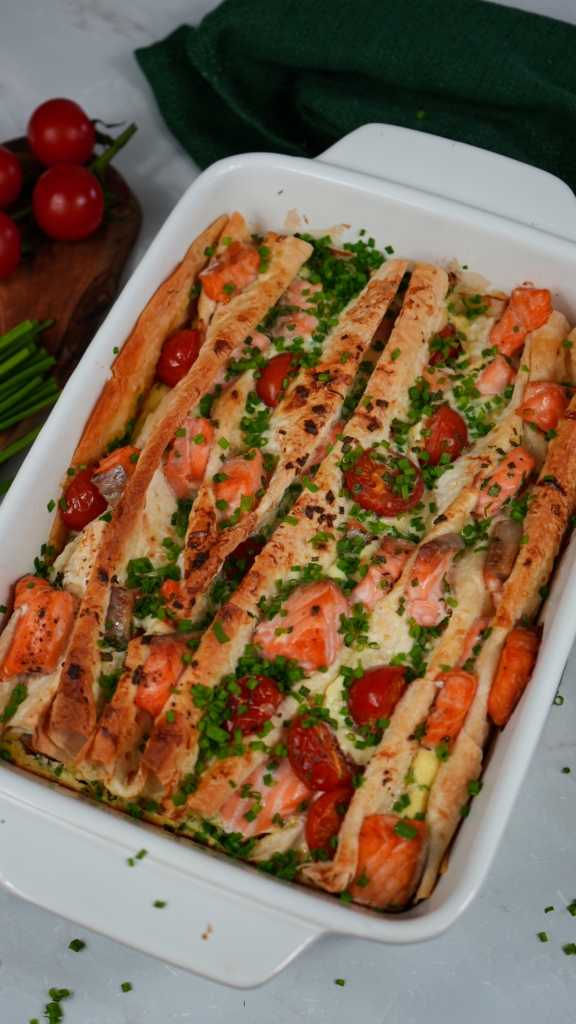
492	965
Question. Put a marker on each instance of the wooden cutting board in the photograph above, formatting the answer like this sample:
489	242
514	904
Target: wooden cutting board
72	283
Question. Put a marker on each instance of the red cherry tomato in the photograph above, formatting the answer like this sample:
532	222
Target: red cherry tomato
315	756
445	345
59	132
83	501
259	703
448	434
10	245
68	203
10	177
177	356
376	694
269	386
386	482
325	818
243	557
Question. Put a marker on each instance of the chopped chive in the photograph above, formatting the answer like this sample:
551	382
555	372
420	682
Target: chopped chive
126	986
76	945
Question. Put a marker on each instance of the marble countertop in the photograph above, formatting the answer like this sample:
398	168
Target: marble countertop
492	964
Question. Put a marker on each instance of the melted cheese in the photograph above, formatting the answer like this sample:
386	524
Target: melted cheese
424	770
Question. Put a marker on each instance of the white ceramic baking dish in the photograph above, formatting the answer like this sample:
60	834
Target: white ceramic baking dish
440	200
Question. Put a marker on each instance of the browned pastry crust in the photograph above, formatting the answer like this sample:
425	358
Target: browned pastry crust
302	422
73	715
133	370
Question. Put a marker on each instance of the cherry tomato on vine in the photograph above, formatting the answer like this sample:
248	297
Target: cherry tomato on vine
59	132
177	356
448	347
68	203
11	177
375	694
270	385
250	708
10	246
386	482
83	501
325	818
315	755
448	435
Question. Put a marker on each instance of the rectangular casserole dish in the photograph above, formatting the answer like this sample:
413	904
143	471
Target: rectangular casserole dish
510	223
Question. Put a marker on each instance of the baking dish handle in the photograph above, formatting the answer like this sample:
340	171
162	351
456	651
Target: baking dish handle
199	925
454	170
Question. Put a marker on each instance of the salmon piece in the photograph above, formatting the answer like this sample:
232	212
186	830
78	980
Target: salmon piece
495	378
309	631
507	479
255	340
188	458
389	865
438	379
389	564
231	272
300	321
528	309
321	452
544	404
113	473
514	670
27	587
43	629
160	673
282	799
429	578
474	638
502	551
294	294
451	706
294	325
244	478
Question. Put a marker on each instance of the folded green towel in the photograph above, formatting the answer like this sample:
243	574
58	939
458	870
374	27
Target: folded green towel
293	77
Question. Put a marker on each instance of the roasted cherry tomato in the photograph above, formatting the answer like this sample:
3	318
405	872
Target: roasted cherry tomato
83	501
386	482
445	345
243	557
10	245
254	705
59	132
448	435
270	387
68	203
10	177
177	356
315	755
375	695
325	818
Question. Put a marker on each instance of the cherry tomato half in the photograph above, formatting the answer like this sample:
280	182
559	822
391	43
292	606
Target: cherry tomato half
243	557
68	203
448	434
177	356
270	386
445	345
252	707
315	755
59	132
83	501
386	482
325	818
11	177
10	245
375	695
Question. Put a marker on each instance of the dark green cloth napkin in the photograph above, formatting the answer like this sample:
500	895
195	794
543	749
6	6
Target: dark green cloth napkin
293	76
